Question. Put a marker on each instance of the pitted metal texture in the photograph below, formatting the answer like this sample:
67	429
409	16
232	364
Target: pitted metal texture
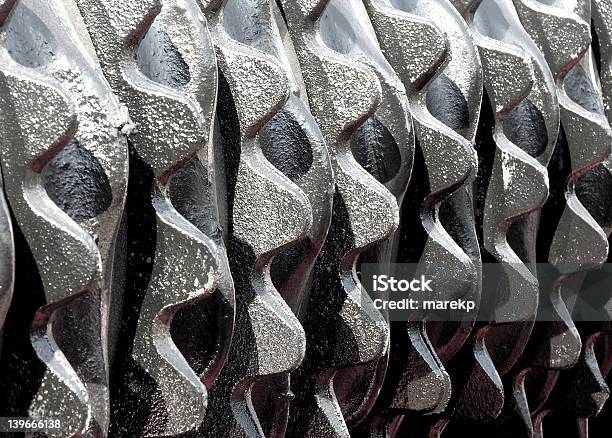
194	195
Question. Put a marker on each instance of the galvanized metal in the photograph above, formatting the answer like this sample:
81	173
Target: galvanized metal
521	94
268	214
159	59
65	162
272	149
343	328
588	140
292	142
441	72
384	146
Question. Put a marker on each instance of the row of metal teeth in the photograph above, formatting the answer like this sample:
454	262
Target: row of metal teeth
193	185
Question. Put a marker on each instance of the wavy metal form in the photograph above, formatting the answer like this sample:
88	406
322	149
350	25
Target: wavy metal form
343	328
562	32
582	390
292	142
454	98
601	16
384	146
564	37
587	388
170	91
268	214
450	104
65	159
521	94
420	51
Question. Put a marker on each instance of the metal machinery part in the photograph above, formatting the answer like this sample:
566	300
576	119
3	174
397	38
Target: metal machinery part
444	86
374	110
160	60
189	190
292	142
586	190
64	157
384	146
269	339
520	91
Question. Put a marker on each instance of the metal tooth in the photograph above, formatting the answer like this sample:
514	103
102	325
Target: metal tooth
601	15
577	118
7	259
384	146
189	264
520	182
293	143
586	390
424	49
343	328
268	214
561	31
560	337
462	73
414	62
317	182
581	391
458	169
71	236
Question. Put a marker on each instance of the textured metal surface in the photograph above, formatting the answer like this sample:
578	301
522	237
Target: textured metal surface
343	329
445	106
564	37
384	146
292	142
275	150
581	391
521	93
586	135
160	61
268	214
601	16
66	185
